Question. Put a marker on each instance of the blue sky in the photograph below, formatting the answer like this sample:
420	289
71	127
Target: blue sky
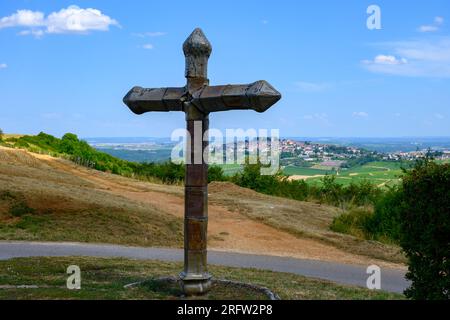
66	69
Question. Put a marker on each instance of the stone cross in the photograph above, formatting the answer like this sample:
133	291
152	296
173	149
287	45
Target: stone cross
197	99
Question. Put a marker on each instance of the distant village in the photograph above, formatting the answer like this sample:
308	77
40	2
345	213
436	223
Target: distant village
335	155
292	152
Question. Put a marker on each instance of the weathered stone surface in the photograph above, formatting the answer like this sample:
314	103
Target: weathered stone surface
258	96
197	99
141	100
197	50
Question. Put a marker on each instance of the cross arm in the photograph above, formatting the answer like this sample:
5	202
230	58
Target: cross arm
258	96
141	100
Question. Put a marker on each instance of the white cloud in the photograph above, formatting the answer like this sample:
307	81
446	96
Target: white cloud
264	21
23	18
438	21
72	19
360	114
312	86
78	20
383	59
436	50
147	46
415	58
439	116
3	66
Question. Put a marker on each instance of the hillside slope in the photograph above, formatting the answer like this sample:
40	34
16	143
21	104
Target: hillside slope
46	198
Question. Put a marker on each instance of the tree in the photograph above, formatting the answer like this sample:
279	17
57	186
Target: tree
70	144
425	229
1	134
215	173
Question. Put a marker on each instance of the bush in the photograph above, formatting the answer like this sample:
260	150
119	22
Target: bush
363	193
385	222
425	229
251	178
167	172
353	222
21	144
215	173
382	224
16	202
276	185
330	192
20	208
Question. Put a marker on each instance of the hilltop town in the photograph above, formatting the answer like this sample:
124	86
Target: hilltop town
303	152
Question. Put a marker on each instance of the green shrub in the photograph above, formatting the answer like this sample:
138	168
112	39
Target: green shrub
251	178
16	203
215	173
20	208
425	230
330	192
21	144
167	172
386	221
353	222
276	185
362	194
7	195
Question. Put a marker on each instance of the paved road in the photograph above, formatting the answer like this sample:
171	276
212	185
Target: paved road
391	280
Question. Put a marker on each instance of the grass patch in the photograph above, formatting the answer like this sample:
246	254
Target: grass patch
302	171
171	289
15	203
105	278
352	222
20	208
301	219
382	223
57	217
380	173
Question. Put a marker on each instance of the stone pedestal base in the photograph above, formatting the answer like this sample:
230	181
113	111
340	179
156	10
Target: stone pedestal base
195	284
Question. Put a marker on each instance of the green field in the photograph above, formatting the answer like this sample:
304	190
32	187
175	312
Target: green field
301	171
380	173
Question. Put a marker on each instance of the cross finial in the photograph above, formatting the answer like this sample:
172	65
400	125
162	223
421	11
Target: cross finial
197	50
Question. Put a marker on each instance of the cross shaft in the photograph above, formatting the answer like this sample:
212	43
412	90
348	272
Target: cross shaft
197	99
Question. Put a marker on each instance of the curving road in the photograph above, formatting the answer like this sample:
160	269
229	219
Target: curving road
391	280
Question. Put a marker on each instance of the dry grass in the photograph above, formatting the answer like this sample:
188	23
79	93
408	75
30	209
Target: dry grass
65	207
12	135
303	219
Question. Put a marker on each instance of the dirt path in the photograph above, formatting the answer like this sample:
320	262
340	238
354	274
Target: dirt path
300	177
227	230
384	168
